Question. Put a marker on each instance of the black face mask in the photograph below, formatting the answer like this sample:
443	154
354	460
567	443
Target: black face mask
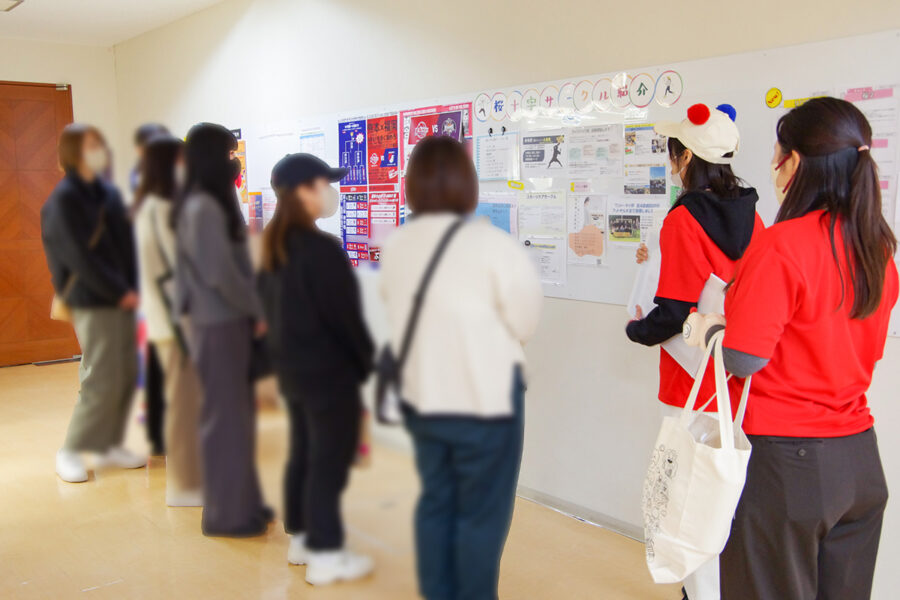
236	168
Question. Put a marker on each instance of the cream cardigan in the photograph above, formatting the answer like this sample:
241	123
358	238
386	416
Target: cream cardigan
482	305
151	265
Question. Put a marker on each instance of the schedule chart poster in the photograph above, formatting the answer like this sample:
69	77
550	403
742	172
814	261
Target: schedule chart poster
352	148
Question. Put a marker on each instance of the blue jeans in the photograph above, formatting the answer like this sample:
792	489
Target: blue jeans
469	468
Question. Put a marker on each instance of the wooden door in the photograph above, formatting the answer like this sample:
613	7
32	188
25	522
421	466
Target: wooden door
31	119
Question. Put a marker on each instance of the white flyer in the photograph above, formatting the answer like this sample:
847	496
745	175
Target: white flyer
544	154
496	157
542	213
548	255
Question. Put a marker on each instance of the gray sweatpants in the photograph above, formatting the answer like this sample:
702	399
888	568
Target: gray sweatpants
108	376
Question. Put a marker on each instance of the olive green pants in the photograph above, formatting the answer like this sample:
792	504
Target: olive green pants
108	375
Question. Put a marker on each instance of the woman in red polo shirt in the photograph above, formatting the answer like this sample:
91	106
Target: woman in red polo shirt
708	228
808	313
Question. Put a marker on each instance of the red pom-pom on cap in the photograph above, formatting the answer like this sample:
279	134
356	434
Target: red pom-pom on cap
698	114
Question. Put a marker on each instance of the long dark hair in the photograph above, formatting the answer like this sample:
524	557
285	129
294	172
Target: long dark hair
158	168
703	175
210	169
289	214
838	175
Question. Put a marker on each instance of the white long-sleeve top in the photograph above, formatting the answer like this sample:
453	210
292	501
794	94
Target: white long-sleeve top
151	265
483	303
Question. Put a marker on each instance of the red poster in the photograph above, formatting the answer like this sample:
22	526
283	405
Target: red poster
382	154
452	120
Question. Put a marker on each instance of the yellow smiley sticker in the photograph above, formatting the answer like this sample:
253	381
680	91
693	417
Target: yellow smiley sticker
773	97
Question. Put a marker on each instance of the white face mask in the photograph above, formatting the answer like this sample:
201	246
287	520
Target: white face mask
676	178
330	201
96	160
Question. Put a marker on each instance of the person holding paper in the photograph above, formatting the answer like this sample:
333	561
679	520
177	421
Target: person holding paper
808	316
706	231
322	353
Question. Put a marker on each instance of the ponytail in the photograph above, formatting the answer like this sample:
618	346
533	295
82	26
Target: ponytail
838	175
869	242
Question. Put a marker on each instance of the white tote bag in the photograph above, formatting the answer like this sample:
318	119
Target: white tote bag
695	480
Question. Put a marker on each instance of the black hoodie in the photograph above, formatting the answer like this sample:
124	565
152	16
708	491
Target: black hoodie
729	223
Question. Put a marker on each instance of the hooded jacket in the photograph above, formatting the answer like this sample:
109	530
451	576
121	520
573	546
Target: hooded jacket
727	226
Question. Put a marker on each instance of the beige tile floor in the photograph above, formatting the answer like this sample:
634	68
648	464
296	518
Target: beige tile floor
113	537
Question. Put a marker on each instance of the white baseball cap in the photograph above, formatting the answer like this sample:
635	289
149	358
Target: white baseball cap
710	134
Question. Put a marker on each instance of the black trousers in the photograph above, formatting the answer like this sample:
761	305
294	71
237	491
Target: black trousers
155	401
808	523
324	440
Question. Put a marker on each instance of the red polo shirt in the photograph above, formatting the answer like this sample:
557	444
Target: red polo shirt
786	305
688	256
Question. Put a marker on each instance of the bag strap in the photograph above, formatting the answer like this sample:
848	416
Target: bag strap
92	243
419	297
159	249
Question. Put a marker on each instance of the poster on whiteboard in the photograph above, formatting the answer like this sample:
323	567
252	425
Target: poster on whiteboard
451	120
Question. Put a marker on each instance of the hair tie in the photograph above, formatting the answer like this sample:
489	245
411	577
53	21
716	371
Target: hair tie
862	148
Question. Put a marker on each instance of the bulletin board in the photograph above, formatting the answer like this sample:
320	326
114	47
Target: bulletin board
572	168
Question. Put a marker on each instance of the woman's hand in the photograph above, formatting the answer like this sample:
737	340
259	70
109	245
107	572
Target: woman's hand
130	301
260	329
638	313
642	254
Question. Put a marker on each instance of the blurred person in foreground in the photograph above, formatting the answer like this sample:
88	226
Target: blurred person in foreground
463	386
322	352
162	175
154	383
90	253
215	292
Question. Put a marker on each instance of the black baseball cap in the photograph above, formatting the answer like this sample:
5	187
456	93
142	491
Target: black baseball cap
297	169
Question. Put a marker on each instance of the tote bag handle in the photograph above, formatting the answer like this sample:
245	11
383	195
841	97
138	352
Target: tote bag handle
728	427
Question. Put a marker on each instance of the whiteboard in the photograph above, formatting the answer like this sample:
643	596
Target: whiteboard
741	80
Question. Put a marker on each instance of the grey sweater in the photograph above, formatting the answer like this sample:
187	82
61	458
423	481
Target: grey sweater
214	280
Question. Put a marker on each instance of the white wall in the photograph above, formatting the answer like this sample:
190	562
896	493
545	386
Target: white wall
592	394
90	70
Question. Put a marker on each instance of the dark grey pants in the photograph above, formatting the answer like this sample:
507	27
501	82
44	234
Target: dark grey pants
809	521
108	374
233	504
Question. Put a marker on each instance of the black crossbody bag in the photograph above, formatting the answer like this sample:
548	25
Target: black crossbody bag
388	367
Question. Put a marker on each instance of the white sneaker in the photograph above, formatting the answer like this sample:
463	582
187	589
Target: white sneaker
324	568
70	467
121	457
189	498
297	553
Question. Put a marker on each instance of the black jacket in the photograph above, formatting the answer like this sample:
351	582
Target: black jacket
69	218
729	223
317	336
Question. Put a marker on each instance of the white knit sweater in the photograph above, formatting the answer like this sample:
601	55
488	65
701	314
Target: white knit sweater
482	305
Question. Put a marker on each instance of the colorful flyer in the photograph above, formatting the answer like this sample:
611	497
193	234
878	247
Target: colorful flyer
451	120
352	151
587	229
241	182
382	150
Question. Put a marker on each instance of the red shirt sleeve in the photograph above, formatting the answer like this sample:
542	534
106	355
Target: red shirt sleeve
684	268
763	298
